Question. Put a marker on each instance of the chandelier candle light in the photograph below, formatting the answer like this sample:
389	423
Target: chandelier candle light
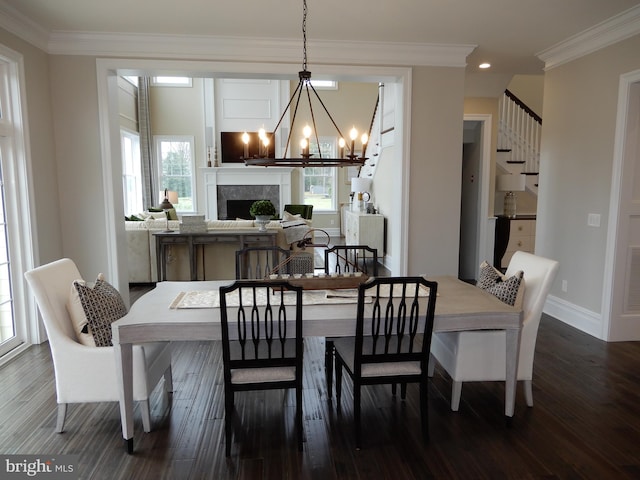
309	133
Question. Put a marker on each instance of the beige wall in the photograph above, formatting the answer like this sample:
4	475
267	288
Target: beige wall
529	89
79	162
580	105
435	172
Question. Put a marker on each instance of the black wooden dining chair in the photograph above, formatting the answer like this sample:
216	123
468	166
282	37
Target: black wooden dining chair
262	343
392	341
351	258
259	262
342	259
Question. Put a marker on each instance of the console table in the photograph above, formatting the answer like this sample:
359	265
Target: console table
244	238
365	229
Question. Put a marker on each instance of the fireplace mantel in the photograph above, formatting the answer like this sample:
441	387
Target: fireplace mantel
215	176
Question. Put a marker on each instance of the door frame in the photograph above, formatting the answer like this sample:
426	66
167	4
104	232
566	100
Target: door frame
614	280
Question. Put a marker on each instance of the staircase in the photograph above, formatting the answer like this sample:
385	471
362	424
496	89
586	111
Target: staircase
519	130
368	170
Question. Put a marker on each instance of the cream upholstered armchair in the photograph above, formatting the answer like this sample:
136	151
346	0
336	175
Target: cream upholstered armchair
87	373
481	355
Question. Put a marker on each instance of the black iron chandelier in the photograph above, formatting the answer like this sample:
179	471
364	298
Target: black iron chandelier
347	155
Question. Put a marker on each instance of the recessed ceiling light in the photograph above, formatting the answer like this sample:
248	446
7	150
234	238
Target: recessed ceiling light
484	65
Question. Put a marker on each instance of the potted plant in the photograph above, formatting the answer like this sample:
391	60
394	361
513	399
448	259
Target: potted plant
263	211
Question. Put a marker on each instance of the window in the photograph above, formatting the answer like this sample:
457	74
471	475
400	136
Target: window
319	185
16	243
177	169
131	79
171	81
324	84
131	172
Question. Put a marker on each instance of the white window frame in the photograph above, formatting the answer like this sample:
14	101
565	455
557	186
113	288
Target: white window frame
333	171
17	175
157	140
137	174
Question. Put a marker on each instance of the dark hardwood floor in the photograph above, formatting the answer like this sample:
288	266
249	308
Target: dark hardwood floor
585	422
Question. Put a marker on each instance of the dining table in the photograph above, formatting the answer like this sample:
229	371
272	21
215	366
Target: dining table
157	316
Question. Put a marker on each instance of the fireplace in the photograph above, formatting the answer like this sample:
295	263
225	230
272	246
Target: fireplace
244	184
239	209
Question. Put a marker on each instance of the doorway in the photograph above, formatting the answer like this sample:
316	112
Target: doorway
476	231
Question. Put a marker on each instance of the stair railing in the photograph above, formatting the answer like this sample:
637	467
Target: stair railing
519	131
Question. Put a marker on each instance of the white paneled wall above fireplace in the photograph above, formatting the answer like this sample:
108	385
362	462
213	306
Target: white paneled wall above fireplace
244	177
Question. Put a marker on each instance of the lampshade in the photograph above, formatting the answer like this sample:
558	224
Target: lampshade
359	184
168	199
510	183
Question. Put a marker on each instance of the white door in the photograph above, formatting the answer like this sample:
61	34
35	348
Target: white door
623	292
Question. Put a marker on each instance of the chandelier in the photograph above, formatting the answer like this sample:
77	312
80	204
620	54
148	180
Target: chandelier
347	155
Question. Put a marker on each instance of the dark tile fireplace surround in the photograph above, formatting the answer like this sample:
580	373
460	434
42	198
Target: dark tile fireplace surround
234	201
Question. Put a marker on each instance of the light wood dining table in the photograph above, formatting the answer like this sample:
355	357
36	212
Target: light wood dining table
459	307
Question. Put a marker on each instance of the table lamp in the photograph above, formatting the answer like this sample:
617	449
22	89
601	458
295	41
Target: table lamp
509	184
359	187
170	197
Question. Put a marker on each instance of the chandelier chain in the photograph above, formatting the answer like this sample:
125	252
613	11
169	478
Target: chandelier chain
304	35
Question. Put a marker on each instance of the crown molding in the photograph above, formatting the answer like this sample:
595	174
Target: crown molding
194	47
613	30
23	27
238	49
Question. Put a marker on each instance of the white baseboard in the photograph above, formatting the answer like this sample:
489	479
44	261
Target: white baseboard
333	232
574	315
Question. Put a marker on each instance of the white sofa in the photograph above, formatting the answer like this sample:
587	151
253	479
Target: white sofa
218	262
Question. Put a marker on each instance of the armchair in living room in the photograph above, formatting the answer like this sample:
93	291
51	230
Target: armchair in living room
305	211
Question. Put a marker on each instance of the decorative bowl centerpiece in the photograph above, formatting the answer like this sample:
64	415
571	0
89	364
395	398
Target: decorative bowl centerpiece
263	211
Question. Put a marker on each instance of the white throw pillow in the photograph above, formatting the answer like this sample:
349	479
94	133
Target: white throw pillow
288	217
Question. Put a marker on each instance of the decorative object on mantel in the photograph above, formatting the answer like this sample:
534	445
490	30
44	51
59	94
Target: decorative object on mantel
306	159
263	211
510	184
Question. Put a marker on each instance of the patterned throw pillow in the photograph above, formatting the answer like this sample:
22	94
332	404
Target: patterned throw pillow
102	305
508	289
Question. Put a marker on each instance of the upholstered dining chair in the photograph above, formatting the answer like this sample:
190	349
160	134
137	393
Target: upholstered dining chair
479	356
259	262
343	259
262	343
84	373
394	323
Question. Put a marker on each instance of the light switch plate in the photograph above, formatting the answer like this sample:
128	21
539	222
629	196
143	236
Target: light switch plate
593	220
